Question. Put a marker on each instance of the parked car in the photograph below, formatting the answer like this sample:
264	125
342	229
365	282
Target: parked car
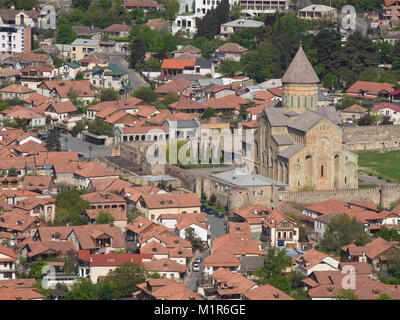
198	260
196	267
209	211
203	208
219	215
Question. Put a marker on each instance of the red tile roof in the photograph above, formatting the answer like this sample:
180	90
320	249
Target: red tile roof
177	63
386	106
370	88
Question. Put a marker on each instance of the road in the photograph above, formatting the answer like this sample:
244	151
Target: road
217	229
136	80
82	147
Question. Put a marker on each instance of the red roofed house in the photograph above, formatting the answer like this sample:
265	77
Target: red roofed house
99	265
230	51
225	103
370	90
314	260
164	289
32	76
231	286
172	67
143	4
389	111
85	171
352	114
118	31
167	268
177	86
62	90
16	91
375	253
8	259
56	110
153	205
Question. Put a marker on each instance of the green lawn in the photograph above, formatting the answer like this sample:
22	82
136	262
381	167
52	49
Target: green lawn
383	165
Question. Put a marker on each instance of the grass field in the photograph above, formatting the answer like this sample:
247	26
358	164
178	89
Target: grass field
383	165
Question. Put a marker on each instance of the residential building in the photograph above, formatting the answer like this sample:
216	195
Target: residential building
352	114
229	51
185	23
118	31
32	76
164	289
15	39
82	47
8	75
8	259
266	292
169	203
318	11
188	50
389	111
252	8
96	266
374	253
370	90
86	32
61	90
229	28
14	91
314	260
21	60
143	4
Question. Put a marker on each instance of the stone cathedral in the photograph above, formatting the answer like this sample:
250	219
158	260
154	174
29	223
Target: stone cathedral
299	143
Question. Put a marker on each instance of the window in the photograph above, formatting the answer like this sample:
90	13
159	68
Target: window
152	217
322	171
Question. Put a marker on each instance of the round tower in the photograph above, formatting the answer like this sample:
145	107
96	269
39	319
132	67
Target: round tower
300	84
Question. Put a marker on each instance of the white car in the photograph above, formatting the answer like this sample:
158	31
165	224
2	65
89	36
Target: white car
196	267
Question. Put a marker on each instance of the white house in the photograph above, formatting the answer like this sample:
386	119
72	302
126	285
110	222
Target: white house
388	110
314	260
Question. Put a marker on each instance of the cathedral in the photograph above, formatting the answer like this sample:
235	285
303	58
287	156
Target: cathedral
299	143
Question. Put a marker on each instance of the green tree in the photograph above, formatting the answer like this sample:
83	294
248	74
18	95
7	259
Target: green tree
35	269
65	34
100	127
138	52
53	141
105	217
104	291
171	9
274	262
195	241
125	278
389	234
346	294
147	94
384	296
82	289
109	94
209	113
330	81
260	64
12	172
235	12
229	68
213	200
69	207
341	231
78	128
245	37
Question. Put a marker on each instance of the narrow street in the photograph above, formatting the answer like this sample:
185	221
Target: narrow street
217	229
136	80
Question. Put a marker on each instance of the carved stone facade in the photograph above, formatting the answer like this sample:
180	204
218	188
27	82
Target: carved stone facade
298	143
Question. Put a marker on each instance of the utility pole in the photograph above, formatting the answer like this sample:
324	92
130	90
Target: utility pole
90	152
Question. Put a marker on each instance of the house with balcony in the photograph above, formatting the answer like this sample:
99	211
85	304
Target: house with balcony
318	11
8	260
104	200
229	51
32	76
82	47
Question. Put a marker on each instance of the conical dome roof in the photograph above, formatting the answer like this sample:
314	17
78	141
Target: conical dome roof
300	70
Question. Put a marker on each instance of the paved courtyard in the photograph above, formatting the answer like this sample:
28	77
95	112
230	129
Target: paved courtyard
82	147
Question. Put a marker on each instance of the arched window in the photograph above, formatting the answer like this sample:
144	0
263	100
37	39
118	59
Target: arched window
322	170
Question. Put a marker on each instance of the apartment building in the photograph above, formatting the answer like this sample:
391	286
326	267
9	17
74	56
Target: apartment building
81	47
254	7
15	39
